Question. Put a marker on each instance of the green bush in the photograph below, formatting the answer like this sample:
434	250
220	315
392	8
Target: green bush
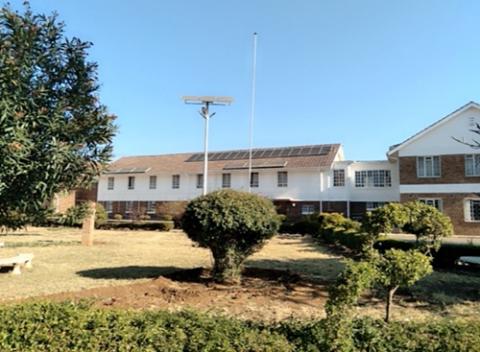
101	215
155	225
58	327
233	225
74	216
118	216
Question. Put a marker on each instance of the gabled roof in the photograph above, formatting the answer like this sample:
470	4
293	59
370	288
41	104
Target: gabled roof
265	158
395	148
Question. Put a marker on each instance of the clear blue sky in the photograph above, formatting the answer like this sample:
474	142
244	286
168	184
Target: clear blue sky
366	74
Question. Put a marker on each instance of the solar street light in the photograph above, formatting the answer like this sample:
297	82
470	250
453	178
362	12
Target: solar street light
206	101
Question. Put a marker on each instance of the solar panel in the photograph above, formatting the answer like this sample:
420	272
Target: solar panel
265	153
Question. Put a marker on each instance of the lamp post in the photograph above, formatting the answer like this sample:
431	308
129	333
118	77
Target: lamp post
206	101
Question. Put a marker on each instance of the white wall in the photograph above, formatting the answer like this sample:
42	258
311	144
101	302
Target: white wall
303	185
363	194
439	140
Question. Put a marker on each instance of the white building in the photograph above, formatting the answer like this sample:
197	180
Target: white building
432	166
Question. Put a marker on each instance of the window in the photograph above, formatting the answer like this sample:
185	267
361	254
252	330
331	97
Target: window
338	178
472	210
373	178
128	206
108	207
254	180
282	179
199	180
151	207
111	183
472	165
226	180
308	209
131	182
152	182
428	166
374	205
434	202
176	181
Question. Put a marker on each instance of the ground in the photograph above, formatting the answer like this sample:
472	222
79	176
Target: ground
155	270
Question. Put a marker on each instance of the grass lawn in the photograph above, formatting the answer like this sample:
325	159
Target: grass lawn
119	259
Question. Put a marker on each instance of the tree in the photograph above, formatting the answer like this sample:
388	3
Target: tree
54	133
428	224
233	225
397	268
389	271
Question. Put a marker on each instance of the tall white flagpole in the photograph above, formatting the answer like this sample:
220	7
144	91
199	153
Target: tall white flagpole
252	111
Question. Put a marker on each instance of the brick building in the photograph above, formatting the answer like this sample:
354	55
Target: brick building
432	166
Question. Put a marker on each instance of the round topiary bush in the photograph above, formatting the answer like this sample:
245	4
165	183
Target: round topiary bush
233	225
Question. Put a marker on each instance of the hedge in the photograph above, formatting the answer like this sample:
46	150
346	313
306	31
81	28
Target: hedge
56	327
156	225
444	258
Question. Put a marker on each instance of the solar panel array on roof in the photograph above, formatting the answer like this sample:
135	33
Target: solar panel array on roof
311	150
129	170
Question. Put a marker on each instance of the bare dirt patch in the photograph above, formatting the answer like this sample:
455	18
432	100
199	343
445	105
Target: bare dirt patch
265	294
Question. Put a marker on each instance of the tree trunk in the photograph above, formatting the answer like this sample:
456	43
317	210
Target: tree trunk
228	266
391	292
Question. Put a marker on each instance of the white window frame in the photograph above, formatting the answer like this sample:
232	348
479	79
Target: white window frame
475	167
373	178
152	182
110	183
176	181
109	206
199	181
151	207
226	180
434	202
370	206
468	209
254	180
429	171
339	178
282	179
131	182
128	207
307	209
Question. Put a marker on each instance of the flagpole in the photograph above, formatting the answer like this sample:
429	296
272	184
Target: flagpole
252	111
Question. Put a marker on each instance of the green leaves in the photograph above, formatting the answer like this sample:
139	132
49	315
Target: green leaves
233	225
54	133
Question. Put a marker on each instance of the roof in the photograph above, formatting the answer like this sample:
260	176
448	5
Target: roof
321	155
396	147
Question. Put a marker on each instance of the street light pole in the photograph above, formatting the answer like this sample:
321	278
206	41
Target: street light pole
205	113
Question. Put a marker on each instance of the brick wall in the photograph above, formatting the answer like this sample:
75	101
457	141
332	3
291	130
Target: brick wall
452	171
63	201
86	194
174	209
453	206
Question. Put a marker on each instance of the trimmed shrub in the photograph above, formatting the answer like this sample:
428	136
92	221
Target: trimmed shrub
137	225
58	327
118	216
233	225
101	215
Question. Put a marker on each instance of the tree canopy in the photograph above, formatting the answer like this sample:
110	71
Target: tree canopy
54	133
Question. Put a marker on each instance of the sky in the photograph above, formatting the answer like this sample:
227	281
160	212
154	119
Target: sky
367	74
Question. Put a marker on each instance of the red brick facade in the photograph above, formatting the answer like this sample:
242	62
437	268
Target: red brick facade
452	171
453	206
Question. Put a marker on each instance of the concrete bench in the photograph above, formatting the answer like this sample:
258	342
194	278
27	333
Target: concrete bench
17	262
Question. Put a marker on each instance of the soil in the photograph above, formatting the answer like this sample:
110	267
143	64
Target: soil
264	294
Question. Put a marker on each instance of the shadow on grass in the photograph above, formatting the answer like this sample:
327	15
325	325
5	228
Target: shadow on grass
132	272
448	287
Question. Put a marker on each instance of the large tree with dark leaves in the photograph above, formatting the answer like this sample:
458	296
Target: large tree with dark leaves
54	133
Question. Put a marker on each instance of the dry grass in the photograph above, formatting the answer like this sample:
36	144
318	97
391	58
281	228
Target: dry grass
61	264
121	257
